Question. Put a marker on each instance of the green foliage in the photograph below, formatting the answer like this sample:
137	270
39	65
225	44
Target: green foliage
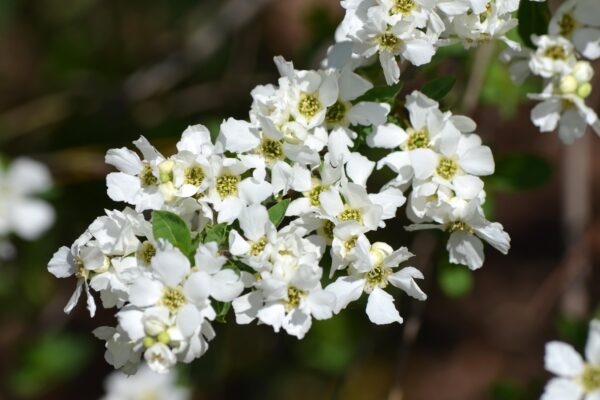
572	330
508	390
277	212
533	20
520	172
438	88
454	280
216	233
382	94
49	361
168	226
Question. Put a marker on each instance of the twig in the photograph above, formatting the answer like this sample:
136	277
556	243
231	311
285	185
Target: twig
483	56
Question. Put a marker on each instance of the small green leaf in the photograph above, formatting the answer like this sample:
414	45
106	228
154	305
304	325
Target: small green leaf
277	212
438	88
455	280
222	310
520	172
381	94
533	20
216	233
168	226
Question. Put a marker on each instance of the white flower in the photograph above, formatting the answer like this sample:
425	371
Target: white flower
567	110
137	182
160	358
576	379
579	21
554	56
20	212
467	226
144	385
81	260
371	273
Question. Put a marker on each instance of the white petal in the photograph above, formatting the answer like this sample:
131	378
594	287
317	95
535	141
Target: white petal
562	389
321	304
418	52
145	292
74	297
122	187
465	249
332	202
246	307
359	168
587	41
405	280
188	319
495	235
478	161
388	136
254	191
592	347
561	359
391	69
197	287
62	264
381	309
172	266
253	221
125	160
237	136
226	285
272	315
297	323
546	115
27	176
424	162
369	113
346	290
237	244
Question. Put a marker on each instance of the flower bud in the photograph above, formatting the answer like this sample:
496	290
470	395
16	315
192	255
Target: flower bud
583	71
148	342
584	90
379	251
568	84
165	171
164	338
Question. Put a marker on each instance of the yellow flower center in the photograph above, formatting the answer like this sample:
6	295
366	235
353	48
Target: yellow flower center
459	226
147	251
173	298
336	113
388	41
556	53
258	246
309	105
567	25
194	175
328	228
447	168
293	298
377	277
314	195
590	379
351	214
418	140
271	149
227	185
147	178
403	7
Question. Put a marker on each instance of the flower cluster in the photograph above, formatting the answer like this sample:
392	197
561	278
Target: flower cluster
273	217
412	30
576	379
20	212
558	58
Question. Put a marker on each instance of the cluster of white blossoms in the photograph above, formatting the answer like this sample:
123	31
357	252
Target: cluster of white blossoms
21	213
413	30
561	59
273	217
576	378
145	385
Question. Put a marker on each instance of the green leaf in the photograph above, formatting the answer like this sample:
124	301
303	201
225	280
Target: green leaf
222	310
382	94
455	280
216	233
438	88
277	212
168	226
533	19
520	172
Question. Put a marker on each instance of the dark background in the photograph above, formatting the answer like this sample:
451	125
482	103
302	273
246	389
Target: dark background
78	77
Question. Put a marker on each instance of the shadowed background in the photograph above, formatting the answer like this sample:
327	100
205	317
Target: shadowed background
82	76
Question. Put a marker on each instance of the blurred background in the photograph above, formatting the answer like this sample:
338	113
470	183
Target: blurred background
79	77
